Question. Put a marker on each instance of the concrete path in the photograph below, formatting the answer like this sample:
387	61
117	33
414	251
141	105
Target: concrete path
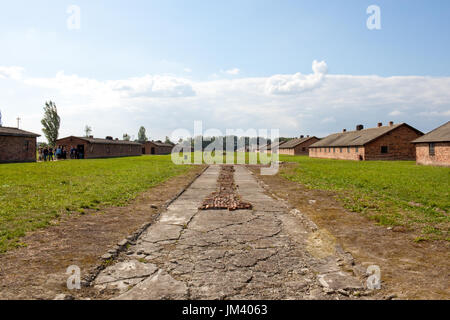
270	252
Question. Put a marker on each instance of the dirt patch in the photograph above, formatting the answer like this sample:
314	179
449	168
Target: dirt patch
409	269
38	271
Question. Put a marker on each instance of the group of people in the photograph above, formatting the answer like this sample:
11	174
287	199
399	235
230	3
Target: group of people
59	153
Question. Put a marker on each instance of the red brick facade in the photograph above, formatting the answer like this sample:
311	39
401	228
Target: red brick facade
441	156
156	148
101	148
343	153
393	145
17	149
301	149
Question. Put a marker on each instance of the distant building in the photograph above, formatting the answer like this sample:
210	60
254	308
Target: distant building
17	145
157	148
392	142
434	147
269	147
91	148
298	146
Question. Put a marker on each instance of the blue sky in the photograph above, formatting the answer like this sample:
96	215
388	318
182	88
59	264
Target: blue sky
192	52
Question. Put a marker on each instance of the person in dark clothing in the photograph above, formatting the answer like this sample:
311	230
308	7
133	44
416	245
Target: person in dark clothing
45	154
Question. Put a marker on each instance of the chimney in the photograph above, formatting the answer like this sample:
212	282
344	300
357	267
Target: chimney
307	136
109	138
92	137
117	139
359	127
344	130
301	137
391	123
380	124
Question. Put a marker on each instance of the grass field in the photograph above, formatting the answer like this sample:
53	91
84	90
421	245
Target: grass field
390	192
33	194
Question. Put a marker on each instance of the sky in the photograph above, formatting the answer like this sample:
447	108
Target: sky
303	67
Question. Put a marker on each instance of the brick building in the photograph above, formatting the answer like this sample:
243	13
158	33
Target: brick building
298	146
157	148
91	148
268	148
17	145
392	142
434	147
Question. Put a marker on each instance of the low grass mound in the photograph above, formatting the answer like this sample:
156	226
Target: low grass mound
390	192
33	194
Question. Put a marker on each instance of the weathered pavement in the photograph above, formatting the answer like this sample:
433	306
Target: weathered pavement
270	252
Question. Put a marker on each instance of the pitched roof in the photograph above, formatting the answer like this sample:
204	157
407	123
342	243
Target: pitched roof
7	131
441	134
161	144
357	138
270	146
295	142
103	141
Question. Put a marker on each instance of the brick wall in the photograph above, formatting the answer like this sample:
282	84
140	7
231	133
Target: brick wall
17	149
441	154
398	143
97	150
345	153
158	150
301	149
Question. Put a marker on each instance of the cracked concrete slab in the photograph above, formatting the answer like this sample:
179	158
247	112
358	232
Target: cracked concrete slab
269	252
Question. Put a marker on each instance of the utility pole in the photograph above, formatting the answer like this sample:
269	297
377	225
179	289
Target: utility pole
18	122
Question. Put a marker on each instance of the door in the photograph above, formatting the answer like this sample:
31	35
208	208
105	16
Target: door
80	149
153	151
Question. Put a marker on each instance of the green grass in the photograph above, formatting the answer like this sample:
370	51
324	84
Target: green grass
33	194
390	192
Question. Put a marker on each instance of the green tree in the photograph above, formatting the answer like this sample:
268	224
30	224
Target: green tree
168	140
51	123
141	135
87	131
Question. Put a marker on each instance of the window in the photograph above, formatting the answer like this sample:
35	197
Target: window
304	149
431	149
341	150
384	149
329	149
334	149
356	149
348	149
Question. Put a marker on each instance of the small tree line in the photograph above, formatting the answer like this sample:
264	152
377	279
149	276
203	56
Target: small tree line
51	123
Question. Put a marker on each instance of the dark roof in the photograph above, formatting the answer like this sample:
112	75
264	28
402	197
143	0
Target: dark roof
357	138
103	141
161	144
7	131
295	142
441	134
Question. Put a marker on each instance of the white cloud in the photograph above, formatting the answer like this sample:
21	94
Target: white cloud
232	72
14	73
154	86
315	104
297	83
395	113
